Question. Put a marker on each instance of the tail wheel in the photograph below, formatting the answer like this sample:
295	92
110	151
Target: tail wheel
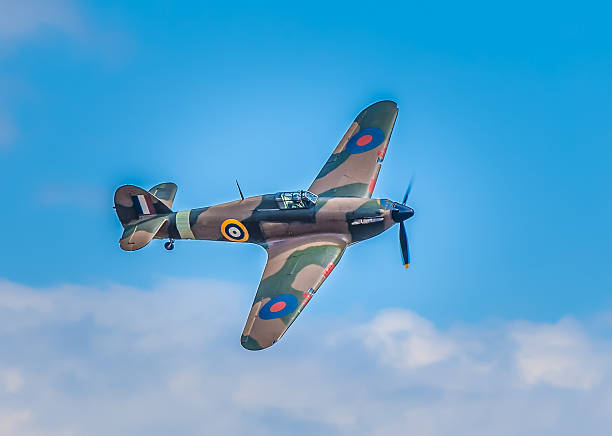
169	245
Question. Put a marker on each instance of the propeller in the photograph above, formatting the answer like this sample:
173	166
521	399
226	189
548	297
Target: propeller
407	193
404	245
402	214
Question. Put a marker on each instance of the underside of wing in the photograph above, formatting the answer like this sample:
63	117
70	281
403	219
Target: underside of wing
295	270
353	167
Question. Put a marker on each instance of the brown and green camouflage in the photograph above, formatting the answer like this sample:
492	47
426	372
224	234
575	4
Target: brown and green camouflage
304	234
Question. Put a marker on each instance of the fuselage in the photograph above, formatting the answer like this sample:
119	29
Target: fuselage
264	218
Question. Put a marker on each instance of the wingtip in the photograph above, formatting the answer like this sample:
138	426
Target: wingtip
406	265
251	344
383	103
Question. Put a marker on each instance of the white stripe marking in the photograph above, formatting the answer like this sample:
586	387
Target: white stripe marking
143	205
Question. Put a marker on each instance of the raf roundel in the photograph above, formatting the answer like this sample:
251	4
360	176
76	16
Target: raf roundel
234	231
365	140
279	306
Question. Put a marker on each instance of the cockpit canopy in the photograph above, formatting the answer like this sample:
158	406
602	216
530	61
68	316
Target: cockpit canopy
296	200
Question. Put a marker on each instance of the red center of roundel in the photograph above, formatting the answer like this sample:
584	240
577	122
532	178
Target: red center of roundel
276	307
364	140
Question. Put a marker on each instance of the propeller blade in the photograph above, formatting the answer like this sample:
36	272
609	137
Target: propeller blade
408	189
404	245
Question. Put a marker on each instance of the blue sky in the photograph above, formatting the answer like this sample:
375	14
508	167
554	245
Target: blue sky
503	122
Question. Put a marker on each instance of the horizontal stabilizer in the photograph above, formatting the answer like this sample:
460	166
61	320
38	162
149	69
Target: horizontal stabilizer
138	235
165	192
134	204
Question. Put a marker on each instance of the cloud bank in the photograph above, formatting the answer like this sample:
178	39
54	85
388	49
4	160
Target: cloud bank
119	360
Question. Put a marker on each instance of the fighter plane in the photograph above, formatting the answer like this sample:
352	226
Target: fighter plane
304	232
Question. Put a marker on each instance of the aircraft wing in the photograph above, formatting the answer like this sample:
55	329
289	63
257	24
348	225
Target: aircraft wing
352	169
295	270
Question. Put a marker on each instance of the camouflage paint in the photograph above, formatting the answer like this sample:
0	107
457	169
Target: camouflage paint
303	245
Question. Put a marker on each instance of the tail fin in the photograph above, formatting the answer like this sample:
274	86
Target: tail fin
141	213
133	204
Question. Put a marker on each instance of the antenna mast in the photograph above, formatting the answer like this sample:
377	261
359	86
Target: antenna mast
239	190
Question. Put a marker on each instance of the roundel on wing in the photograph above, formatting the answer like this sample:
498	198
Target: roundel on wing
279	306
365	140
234	230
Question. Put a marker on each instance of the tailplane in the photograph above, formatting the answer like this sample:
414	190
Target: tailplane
138	235
165	192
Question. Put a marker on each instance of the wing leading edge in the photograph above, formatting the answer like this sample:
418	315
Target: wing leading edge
353	167
295	270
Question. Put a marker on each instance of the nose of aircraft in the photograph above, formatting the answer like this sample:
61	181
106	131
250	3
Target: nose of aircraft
401	212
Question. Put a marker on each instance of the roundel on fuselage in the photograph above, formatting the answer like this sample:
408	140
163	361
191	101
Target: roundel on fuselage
233	230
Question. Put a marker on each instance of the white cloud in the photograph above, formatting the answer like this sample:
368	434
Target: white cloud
560	355
11	379
405	340
118	360
19	18
12	421
34	20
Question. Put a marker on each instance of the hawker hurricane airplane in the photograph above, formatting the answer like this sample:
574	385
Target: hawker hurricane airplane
304	232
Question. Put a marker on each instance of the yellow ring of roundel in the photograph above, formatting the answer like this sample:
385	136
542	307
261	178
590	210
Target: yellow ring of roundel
239	224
